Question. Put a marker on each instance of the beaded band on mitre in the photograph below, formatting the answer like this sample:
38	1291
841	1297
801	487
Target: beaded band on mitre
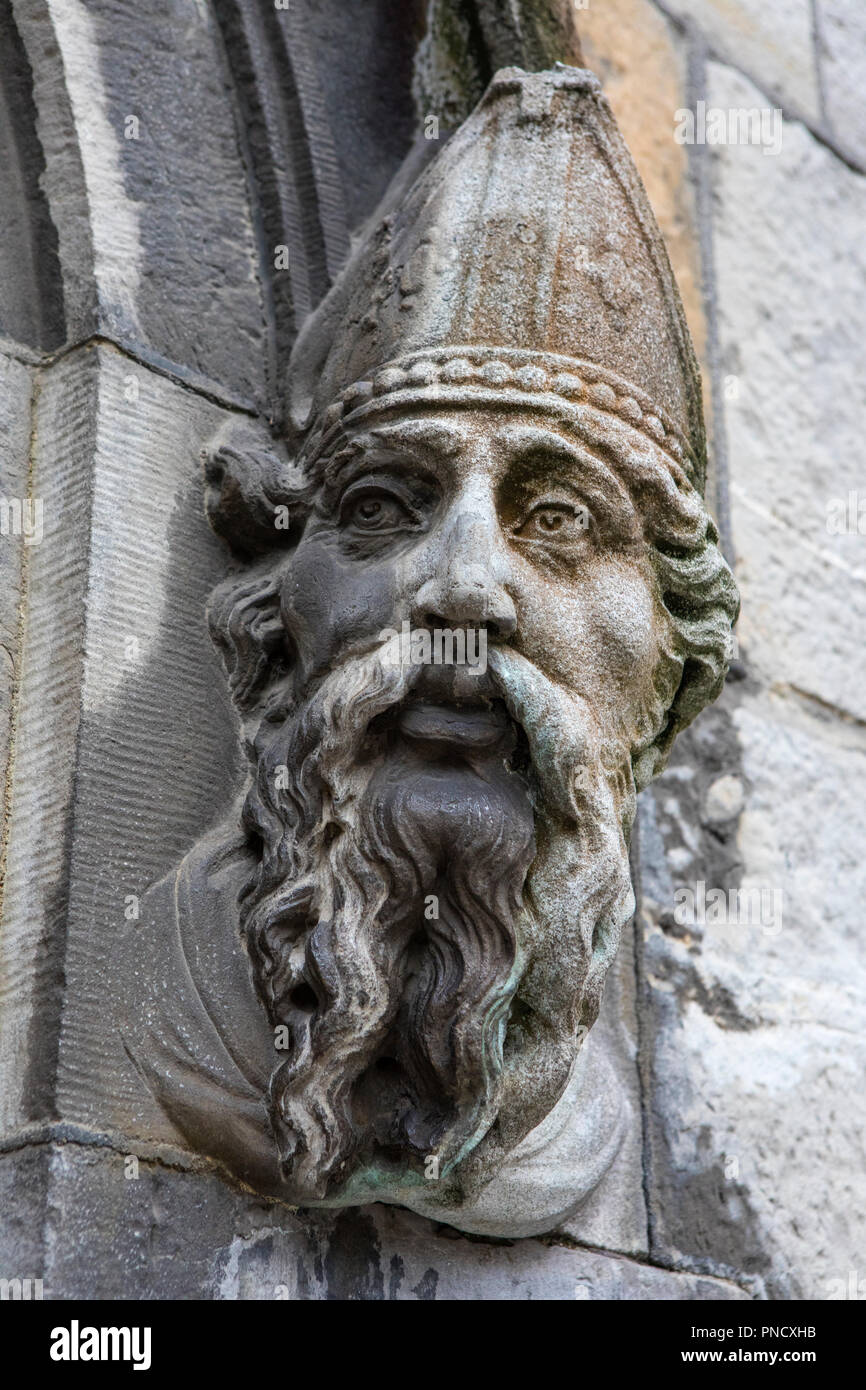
474	375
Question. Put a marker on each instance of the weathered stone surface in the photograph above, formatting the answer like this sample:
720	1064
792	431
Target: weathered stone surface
641	60
109	653
168	1234
757	1128
758	1143
465	44
15	390
145	184
24	1176
43	782
363	55
841	45
614	1217
31	287
790	301
771	40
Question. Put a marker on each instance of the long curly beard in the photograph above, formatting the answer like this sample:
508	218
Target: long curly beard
433	932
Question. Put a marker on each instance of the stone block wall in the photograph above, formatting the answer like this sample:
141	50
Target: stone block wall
753	1046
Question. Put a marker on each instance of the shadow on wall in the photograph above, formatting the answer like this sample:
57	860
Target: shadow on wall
31	287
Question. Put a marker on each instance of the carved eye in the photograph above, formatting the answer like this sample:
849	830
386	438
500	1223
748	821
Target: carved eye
375	511
560	522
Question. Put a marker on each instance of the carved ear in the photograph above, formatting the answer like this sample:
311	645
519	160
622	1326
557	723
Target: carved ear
246	626
256	498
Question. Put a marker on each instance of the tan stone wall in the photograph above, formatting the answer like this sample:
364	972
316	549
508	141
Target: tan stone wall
756	1141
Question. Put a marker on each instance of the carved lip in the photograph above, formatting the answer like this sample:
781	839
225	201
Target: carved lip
481	727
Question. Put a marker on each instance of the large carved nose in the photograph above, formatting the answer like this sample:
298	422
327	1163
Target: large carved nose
468	587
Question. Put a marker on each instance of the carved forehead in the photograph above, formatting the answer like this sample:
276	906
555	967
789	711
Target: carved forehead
445	434
485	439
480	440
453	432
595	449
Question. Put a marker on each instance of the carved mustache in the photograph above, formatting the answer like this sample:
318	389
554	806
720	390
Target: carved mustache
559	727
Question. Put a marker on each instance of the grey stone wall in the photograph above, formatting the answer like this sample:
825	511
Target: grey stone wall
753	1036
156	157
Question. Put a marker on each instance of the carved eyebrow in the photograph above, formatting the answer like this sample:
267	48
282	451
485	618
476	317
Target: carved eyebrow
390	442
432	434
529	439
437	436
526	442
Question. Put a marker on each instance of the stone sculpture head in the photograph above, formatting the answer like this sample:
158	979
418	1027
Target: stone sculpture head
496	429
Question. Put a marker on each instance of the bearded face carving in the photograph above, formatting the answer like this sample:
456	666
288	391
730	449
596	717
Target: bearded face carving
431	875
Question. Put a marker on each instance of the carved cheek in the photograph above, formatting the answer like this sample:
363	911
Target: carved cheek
329	605
597	636
625	616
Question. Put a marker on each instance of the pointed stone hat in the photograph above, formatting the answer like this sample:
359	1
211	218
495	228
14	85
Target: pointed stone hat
524	267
